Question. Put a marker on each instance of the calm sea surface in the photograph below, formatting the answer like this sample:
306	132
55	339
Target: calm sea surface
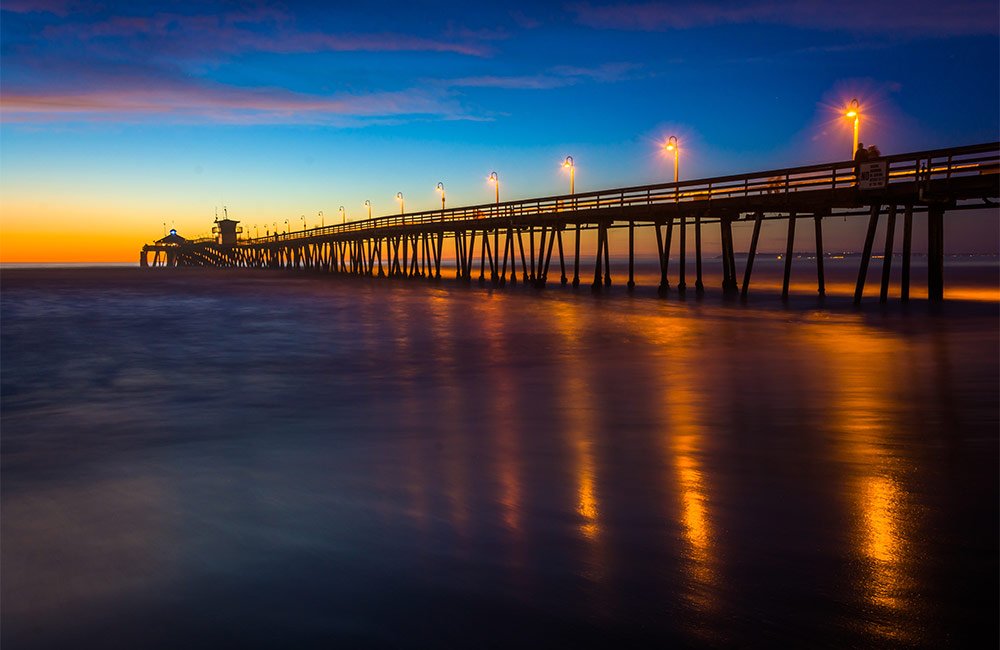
202	458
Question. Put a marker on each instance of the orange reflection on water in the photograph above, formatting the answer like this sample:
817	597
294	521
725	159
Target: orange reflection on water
883	544
578	411
446	317
865	367
685	382
491	313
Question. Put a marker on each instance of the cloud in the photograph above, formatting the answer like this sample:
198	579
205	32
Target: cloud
556	77
891	18
182	103
189	36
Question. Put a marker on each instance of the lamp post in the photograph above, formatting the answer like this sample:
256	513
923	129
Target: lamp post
854	111
440	190
303	217
672	146
495	180
399	197
322	220
343	215
568	164
368	204
681	285
286	225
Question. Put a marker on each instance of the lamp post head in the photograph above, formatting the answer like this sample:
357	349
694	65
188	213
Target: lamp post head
853	109
671	143
568	162
368	203
493	178
399	196
440	188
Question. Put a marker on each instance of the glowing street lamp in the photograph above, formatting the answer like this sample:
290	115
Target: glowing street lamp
343	215
368	204
399	197
322	220
672	146
854	111
568	164
440	190
495	180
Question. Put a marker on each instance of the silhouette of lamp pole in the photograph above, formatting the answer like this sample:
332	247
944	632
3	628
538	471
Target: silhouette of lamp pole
322	220
303	217
368	204
440	190
343	215
286	225
495	180
399	197
854	111
568	164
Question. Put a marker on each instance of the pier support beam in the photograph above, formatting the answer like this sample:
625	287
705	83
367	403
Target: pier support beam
576	258
758	219
890	231
662	289
562	261
935	252
681	284
820	279
904	291
597	263
631	255
866	254
698	284
728	255
789	251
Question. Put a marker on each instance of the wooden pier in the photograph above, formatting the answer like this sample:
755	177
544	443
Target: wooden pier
516	239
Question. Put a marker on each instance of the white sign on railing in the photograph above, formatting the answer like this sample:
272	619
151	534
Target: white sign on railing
872	175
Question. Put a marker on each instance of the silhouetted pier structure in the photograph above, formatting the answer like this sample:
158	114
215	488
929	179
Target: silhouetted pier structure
528	231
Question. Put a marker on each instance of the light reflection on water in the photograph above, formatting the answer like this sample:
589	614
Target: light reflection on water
409	464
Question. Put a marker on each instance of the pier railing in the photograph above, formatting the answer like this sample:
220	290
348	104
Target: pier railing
923	166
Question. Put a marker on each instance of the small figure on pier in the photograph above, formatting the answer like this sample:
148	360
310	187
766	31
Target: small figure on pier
861	155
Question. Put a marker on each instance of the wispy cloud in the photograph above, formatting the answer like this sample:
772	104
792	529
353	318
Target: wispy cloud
262	30
887	17
225	104
555	77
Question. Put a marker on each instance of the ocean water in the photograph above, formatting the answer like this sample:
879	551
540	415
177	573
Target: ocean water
197	458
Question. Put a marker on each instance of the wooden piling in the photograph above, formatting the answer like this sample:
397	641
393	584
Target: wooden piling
597	264
682	269
890	230
820	279
631	255
935	252
758	218
904	290
866	254
789	251
576	258
562	261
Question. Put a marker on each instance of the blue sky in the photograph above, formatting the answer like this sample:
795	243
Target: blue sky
156	110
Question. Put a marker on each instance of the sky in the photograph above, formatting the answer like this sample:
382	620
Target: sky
119	117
